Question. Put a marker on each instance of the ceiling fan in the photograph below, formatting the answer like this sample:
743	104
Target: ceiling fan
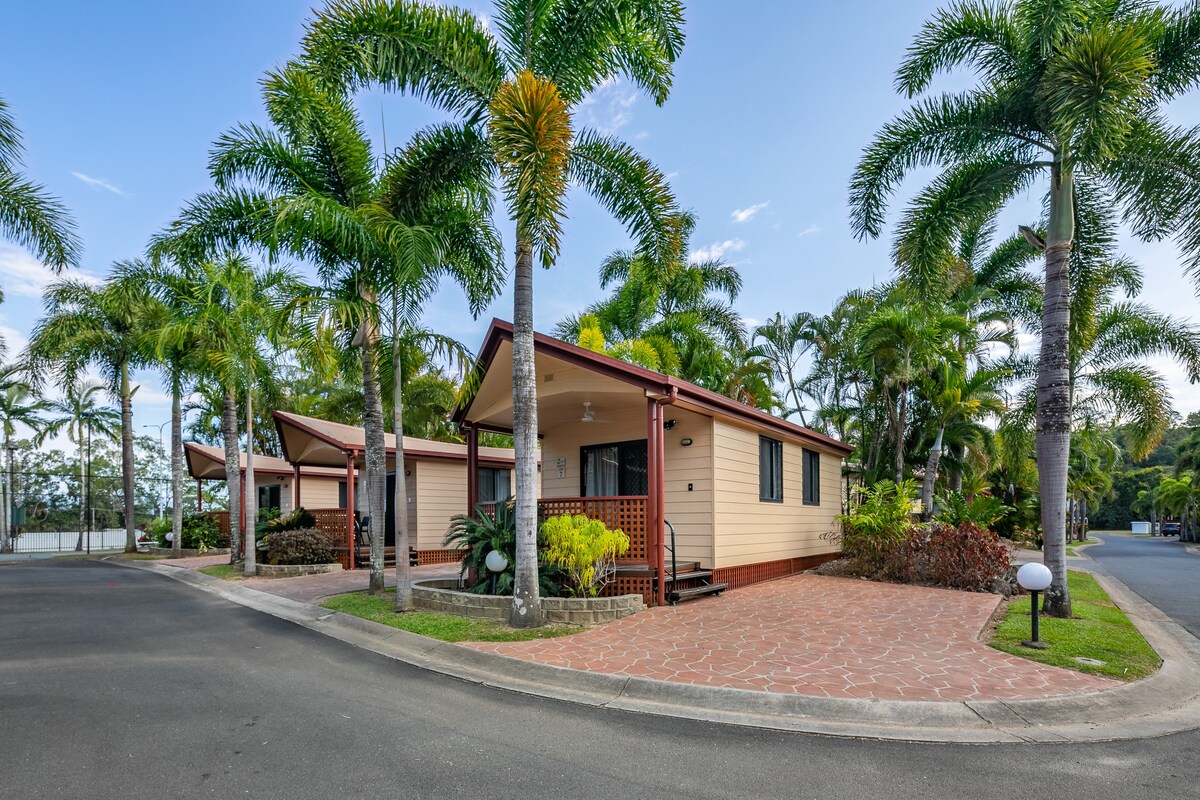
589	415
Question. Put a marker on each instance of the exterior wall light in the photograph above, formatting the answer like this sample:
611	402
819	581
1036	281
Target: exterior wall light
685	442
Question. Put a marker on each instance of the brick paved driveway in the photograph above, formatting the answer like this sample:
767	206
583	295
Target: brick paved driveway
813	635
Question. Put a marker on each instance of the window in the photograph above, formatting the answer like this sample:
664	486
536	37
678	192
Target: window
812	478
269	496
611	470
495	484
341	494
770	470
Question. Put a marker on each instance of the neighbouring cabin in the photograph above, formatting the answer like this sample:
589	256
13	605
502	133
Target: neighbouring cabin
750	496
435	478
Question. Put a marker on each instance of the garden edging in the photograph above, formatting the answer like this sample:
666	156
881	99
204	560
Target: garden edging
294	570
186	552
443	595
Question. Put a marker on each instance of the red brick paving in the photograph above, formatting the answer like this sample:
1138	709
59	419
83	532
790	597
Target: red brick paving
813	635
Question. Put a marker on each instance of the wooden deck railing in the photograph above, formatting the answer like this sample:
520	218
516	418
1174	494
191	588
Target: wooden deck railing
626	513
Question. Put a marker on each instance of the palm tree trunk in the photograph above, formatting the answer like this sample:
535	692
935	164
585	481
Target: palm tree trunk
526	607
404	576
1083	515
1070	519
82	490
233	472
8	490
900	420
956	472
931	467
1054	391
376	459
251	493
176	464
127	468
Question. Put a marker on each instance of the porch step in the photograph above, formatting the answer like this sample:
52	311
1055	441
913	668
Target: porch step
690	575
673	597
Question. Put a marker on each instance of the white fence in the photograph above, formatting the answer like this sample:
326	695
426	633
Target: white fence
61	541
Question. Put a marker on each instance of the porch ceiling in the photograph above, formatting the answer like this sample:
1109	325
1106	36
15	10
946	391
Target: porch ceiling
562	390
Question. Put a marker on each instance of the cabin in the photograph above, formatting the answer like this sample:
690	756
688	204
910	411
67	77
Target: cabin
713	494
323	469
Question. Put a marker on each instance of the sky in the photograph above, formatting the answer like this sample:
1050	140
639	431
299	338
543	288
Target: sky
772	105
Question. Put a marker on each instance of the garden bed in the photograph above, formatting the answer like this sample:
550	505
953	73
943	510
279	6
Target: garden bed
186	552
445	595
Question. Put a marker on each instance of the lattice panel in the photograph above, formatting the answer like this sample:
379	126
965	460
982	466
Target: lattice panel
768	570
330	520
623	585
222	520
439	557
625	513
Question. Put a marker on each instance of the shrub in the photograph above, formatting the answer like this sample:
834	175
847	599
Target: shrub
481	534
880	522
157	529
300	546
584	549
983	510
953	557
200	532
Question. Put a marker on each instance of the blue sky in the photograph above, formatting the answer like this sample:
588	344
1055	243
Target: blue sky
773	102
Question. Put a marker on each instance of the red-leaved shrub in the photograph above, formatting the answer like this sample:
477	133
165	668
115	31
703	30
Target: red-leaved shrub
964	557
301	546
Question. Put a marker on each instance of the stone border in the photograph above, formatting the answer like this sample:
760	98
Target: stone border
445	595
294	570
186	552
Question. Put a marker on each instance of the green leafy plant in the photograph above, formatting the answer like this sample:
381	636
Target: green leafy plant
482	533
584	549
296	520
200	532
881	520
983	510
301	546
157	529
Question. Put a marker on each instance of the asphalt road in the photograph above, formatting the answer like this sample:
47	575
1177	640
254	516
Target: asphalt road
1158	569
116	683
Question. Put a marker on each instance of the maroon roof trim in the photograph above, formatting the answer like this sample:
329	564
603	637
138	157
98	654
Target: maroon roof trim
649	380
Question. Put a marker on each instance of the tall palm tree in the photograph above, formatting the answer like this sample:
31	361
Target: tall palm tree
234	318
83	416
103	327
18	406
28	215
903	343
1072	90
784	341
309	187
521	82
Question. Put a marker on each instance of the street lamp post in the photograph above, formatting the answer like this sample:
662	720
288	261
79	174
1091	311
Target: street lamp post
1036	578
159	495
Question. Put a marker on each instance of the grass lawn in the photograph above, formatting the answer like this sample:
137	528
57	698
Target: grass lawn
1099	631
436	625
227	572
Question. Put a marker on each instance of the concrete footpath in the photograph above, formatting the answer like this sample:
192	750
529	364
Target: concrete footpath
1167	702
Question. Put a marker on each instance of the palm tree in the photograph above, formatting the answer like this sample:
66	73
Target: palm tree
18	405
522	82
83	416
784	341
28	215
234	319
903	343
310	188
1071	90
101	326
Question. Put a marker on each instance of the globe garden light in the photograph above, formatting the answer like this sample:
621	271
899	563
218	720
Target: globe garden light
1034	578
496	563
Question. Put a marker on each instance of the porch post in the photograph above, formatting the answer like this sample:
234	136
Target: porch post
653	533
296	487
350	507
472	469
660	463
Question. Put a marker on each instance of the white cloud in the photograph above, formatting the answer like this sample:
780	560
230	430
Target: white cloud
609	108
21	274
741	215
717	250
811	230
100	183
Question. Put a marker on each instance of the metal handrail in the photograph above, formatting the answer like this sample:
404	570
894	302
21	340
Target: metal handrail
674	571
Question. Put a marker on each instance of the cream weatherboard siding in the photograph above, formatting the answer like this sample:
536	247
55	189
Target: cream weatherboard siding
410	493
441	493
561	462
749	530
319	492
691	512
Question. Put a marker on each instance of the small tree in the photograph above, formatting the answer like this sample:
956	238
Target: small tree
585	549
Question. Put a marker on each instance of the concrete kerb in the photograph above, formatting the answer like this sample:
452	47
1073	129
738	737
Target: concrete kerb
1167	702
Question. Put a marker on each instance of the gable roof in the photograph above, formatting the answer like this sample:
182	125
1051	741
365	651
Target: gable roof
352	439
208	462
653	383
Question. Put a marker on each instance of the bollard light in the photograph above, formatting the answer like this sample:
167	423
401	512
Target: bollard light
496	563
1034	578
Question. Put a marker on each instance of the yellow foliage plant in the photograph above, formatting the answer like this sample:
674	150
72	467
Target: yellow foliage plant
584	548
